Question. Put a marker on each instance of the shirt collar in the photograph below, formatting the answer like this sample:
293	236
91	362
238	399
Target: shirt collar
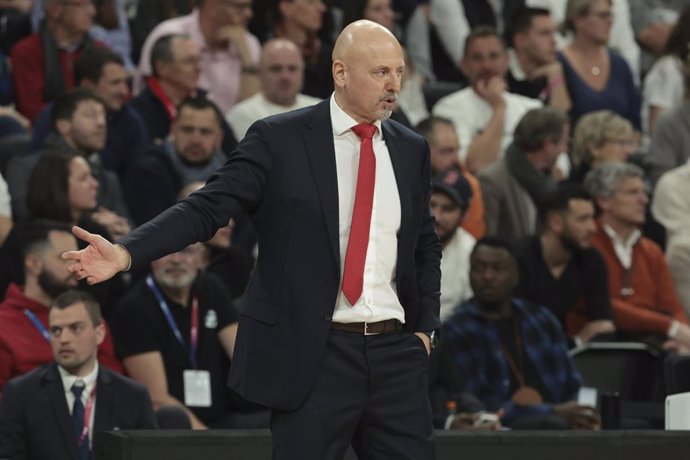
515	67
69	379
634	237
342	122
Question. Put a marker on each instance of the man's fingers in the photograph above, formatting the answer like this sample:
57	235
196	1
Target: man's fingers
71	255
84	235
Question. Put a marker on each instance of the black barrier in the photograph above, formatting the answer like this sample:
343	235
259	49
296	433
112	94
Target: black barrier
451	445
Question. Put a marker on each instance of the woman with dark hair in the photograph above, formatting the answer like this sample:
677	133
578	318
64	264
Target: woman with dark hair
597	78
663	85
61	188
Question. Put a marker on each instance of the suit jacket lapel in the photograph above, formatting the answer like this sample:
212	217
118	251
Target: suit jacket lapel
318	139
102	421
58	402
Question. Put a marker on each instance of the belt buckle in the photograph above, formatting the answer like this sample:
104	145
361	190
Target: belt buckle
366	330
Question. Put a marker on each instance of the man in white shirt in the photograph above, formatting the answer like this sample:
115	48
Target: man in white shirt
449	201
281	75
484	114
53	411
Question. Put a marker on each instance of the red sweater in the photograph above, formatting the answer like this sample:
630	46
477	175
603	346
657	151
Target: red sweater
23	348
29	74
654	302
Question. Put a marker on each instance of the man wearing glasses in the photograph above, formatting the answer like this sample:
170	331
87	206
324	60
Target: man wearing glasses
229	53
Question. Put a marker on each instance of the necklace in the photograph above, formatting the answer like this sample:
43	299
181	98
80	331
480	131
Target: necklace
595	70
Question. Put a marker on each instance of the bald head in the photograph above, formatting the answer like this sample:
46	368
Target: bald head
281	72
367	70
358	35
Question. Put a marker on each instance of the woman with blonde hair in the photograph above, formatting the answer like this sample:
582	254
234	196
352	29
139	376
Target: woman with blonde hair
597	78
600	137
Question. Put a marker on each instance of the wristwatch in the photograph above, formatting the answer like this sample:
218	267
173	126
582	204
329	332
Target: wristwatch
433	338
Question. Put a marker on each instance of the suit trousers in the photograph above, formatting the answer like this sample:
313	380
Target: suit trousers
371	392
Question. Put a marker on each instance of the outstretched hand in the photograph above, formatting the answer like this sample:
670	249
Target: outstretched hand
99	261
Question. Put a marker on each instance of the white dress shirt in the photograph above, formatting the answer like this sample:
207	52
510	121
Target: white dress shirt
623	249
90	386
379	300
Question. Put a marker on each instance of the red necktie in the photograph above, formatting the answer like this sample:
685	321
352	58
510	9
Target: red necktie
361	215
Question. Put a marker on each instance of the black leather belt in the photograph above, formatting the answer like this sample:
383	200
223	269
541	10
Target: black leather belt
379	327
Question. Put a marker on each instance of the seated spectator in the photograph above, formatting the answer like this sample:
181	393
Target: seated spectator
561	271
191	154
55	410
443	155
643	295
42	63
600	137
229	53
110	26
652	22
597	77
671	207
514	186
5	211
300	21
24	337
62	188
509	353
450	197
175	67
231	263
155	337
79	124
484	114
281	76
621	38
663	84
451	22
103	72
670	147
534	70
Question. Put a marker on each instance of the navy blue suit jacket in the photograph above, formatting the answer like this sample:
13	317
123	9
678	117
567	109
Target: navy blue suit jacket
35	422
284	175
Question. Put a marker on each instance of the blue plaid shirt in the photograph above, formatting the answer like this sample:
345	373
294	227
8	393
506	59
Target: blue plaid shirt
476	350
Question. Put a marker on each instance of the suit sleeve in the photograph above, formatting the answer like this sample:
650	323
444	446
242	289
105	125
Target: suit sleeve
236	187
428	257
12	425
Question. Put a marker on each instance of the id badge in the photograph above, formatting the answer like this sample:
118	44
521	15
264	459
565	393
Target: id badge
197	388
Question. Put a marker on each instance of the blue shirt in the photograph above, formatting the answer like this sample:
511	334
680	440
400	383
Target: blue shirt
620	95
477	353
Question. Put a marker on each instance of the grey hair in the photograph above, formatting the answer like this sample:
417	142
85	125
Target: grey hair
603	181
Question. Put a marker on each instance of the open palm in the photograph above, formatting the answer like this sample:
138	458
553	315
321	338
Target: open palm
99	261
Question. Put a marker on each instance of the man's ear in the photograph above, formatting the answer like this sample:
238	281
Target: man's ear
339	73
33	264
100	333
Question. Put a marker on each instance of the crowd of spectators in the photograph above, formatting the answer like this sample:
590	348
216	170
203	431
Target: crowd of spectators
559	136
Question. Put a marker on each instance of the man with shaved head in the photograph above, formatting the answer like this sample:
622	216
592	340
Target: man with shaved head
281	75
339	317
